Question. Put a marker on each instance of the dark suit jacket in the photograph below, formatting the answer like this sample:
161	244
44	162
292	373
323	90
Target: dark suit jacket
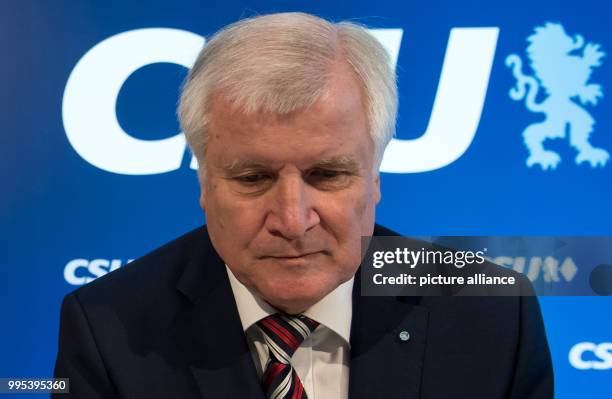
167	326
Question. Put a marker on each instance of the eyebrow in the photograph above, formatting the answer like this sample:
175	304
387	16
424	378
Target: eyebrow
341	162
240	165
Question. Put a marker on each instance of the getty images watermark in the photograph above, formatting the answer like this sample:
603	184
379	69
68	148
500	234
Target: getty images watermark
486	266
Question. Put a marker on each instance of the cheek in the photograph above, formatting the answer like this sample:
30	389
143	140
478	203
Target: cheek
224	208
232	224
350	213
349	223
363	211
368	216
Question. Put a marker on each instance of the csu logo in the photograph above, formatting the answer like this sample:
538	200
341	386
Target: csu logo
90	97
591	356
562	67
82	271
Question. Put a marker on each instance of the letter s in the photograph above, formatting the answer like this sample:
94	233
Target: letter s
99	267
604	352
90	96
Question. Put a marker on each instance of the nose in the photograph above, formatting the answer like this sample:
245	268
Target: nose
291	212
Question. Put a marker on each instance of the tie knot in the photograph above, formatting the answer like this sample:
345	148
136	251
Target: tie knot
285	333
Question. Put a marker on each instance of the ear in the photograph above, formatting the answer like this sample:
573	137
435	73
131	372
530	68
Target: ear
203	193
377	194
202	199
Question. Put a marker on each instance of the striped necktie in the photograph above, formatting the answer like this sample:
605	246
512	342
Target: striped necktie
283	335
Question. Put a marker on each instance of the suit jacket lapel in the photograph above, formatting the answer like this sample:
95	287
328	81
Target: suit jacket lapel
209	331
382	364
213	346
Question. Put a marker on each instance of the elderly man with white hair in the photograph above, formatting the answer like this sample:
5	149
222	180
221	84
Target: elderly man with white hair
288	116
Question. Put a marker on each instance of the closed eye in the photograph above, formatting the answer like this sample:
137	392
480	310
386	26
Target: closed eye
252	178
328	179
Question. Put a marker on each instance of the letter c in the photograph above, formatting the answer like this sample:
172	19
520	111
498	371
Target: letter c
90	97
575	355
70	272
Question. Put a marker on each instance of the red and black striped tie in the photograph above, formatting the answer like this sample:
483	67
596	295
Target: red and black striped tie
283	335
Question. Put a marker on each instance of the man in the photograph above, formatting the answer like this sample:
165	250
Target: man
288	116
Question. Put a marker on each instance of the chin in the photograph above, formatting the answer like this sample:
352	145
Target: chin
296	294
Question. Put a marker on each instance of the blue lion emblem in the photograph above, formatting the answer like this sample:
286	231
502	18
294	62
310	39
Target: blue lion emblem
563	67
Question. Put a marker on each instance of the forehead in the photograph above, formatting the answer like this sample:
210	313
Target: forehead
336	125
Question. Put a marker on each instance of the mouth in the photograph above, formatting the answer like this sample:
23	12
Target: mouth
290	257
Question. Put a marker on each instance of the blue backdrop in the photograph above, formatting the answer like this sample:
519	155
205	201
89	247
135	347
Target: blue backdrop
94	174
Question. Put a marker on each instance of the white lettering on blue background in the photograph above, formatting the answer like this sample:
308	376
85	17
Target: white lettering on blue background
90	98
602	352
82	271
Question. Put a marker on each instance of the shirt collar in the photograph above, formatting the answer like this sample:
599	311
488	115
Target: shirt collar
334	311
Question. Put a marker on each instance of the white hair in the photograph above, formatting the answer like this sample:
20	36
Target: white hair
280	63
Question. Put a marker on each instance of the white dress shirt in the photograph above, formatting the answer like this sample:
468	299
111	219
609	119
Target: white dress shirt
322	361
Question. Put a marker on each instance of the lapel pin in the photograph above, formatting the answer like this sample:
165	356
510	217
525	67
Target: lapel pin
404	336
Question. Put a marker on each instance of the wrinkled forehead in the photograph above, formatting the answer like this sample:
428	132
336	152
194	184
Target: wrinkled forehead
334	127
